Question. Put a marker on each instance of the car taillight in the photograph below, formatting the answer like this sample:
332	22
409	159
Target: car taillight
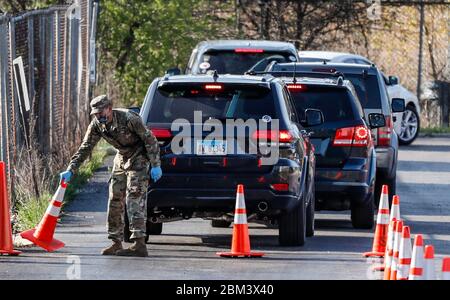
161	133
385	133
248	50
358	136
280	187
214	87
283	136
295	87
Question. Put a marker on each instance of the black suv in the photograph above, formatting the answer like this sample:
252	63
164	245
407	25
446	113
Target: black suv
202	166
345	155
238	56
371	90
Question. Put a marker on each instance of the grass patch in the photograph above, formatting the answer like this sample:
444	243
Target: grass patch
431	130
30	211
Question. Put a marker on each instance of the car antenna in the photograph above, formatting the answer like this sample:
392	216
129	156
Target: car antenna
215	75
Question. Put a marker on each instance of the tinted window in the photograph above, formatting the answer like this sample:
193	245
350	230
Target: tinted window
168	106
230	62
335	104
289	107
367	89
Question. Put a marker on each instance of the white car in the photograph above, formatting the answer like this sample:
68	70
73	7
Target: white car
406	124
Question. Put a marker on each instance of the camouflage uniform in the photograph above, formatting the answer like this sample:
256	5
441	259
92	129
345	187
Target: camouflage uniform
137	147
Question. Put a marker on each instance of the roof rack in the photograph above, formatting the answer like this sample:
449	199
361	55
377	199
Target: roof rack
297	72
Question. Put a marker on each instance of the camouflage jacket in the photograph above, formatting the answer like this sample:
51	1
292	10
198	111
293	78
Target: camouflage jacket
127	133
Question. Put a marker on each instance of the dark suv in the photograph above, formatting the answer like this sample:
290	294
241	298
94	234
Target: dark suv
345	155
372	93
238	56
202	164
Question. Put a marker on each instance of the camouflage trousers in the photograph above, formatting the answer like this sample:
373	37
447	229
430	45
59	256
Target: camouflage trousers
128	185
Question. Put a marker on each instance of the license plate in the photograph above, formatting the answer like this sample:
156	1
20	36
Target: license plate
211	147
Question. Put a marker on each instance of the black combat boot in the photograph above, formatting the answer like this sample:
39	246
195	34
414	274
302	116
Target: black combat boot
139	248
111	250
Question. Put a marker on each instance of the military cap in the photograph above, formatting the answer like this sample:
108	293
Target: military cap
99	103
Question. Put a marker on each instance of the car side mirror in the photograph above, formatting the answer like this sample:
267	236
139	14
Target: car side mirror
376	120
393	80
398	105
136	109
314	117
173	71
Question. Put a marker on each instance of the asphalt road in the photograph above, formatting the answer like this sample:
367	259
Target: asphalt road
186	249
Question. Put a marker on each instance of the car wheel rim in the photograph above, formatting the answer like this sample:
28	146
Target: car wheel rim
409	125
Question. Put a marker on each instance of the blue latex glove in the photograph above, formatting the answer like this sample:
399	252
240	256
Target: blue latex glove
66	175
156	173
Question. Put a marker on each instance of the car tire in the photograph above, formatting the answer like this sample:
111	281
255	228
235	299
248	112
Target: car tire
154	228
413	118
392	187
310	213
292	226
362	214
220	223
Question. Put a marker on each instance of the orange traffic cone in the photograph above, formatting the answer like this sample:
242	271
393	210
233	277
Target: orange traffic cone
388	255
404	259
42	235
446	268
381	231
428	271
240	245
417	263
395	208
395	255
6	243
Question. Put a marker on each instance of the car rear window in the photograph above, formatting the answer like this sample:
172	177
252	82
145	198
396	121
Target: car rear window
335	103
367	87
174	103
231	62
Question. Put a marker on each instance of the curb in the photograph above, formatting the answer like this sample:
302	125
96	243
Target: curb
442	135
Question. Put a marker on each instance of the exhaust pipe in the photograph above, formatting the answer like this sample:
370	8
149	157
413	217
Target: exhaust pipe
263	206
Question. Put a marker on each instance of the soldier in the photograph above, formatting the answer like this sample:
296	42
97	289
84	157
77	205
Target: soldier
136	148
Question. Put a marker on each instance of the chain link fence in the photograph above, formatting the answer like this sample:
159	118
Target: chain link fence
45	81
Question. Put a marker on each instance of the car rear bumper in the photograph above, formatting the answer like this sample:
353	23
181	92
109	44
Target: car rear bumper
217	191
385	160
336	189
221	200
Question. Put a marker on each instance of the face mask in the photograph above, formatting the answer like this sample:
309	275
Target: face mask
102	120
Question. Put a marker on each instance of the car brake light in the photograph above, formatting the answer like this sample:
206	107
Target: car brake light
283	136
213	87
358	136
161	133
280	187
296	87
384	133
248	50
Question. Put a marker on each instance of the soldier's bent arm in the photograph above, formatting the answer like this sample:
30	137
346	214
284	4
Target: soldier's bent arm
91	139
150	141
